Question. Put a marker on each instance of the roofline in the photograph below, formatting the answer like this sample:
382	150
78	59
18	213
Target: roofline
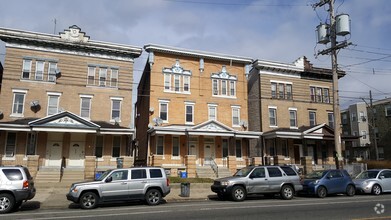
266	64
196	53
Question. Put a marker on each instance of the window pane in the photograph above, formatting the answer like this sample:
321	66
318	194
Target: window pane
212	113
18	103
235	116
159	146
115	113
39	70
176	83
167	81
155	173
102	76
312	92
293	118
225	148
289	91
26	69
53	105
31	143
114	78
281	91
215	87
99	146
274	90
52	72
163	111
175	146
186	83
223	87
232	88
85	107
116	146
238	148
272	117
189	113
91	76
10	146
319	94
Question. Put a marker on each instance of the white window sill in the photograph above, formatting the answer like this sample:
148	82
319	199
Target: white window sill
8	158
175	158
17	115
99	159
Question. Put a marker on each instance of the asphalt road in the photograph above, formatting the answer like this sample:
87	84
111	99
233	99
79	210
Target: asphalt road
335	207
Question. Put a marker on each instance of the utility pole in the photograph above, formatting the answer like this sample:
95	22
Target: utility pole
332	37
373	125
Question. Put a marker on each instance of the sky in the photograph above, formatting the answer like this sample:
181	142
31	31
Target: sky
274	30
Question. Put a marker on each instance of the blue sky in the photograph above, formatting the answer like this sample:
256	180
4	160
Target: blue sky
276	30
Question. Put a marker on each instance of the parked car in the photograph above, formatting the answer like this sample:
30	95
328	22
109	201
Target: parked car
267	180
325	182
375	181
16	186
148	184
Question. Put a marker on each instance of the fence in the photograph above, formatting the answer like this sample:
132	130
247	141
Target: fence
353	169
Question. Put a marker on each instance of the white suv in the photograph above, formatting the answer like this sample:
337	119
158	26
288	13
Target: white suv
148	184
16	186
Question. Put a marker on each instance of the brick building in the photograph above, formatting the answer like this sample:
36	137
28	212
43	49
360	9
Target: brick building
292	105
66	100
191	110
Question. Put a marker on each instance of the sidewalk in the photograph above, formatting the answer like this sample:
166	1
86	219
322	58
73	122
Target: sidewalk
52	195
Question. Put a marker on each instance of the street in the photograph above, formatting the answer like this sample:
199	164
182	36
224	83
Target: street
332	207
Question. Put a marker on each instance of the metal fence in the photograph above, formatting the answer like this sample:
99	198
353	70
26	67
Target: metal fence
353	169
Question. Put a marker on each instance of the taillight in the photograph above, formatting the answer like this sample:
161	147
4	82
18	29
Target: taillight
25	184
168	182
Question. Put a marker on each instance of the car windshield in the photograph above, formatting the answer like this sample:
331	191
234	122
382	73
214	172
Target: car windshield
315	175
243	172
101	177
367	174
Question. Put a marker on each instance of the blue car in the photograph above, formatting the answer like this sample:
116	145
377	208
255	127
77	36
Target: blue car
325	182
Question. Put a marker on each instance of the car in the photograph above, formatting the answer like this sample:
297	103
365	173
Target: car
16	186
375	181
325	182
266	180
148	184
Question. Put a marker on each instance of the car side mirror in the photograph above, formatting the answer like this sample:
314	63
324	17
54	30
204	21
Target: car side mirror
109	179
382	177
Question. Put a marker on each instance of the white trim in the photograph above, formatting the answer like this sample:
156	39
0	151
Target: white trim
282	82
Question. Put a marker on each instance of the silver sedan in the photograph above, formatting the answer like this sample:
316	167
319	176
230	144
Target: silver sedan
375	181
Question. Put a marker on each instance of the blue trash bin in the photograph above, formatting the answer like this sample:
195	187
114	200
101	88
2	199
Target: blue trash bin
183	174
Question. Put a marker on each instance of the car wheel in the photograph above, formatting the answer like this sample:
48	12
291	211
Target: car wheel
153	197
7	203
238	193
88	200
350	190
376	190
322	192
287	192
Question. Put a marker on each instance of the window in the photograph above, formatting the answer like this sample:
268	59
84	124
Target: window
116	146
39	69
85	107
274	172
272	116
281	91
354	116
163	111
289	171
225	147
167	81
215	87
18	104
344	119
26	72
189	113
274	90
10	144
312	118
175	146
235	116
139	174
99	146
13	174
289	94
212	112
258	173
364	135
52	72
116	109
223	84
223	87
176	83
312	94
102	77
186	84
155	173
388	110
319	94
31	143
232	86
330	116
53	101
91	75
284	147
120	175
326	95
114	78
293	117
238	148
159	145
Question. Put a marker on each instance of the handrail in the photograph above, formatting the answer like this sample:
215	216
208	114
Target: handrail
214	166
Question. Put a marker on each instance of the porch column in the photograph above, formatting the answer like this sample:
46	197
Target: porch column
190	163
89	167
32	164
307	163
128	161
232	164
256	161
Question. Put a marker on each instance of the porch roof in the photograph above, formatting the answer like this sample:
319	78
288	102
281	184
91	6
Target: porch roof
207	128
64	122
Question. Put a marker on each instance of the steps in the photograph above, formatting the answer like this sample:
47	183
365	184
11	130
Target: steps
48	175
72	175
224	172
207	172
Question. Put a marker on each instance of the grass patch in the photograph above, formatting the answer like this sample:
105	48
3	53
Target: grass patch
189	180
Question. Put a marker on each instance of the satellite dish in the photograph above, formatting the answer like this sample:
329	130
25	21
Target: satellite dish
34	103
116	120
150	126
57	72
151	110
243	123
158	121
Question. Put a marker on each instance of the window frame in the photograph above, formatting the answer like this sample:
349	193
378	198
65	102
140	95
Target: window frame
82	109
99	143
235	116
314	118
16	106
112	116
161	104
331	121
31	143
160	140
50	107
39	70
91	74
28	69
176	149
116	147
238	148
52	66
102	76
272	117
294	119
10	145
191	113
210	107
114	78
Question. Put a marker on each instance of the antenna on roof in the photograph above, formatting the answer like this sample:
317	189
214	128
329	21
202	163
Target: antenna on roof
55	24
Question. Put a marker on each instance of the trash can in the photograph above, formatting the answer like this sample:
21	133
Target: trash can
120	162
183	174
98	174
185	189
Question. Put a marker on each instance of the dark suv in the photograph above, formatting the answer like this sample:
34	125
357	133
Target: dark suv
16	186
267	180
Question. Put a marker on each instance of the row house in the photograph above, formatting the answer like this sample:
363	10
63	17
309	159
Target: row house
292	105
65	101
191	111
355	122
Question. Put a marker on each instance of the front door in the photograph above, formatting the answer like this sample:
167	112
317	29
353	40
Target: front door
53	153
193	150
209	154
76	154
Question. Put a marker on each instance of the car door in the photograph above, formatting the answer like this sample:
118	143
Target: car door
137	184
116	186
275	179
258	182
335	182
385	179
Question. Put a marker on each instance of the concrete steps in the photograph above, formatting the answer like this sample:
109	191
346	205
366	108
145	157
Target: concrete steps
48	175
224	172
72	175
205	172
